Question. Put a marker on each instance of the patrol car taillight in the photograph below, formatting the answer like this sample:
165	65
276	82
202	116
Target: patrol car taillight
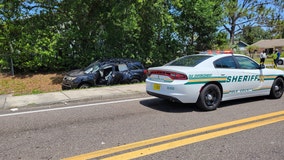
172	75
178	76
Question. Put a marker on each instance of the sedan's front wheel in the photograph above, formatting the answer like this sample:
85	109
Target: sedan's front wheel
209	98
277	88
84	86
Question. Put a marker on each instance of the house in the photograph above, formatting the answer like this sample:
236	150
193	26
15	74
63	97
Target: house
269	45
242	45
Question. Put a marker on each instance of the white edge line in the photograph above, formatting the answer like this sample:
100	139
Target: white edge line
72	107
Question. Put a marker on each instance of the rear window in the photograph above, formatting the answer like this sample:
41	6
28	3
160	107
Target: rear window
226	62
135	66
189	61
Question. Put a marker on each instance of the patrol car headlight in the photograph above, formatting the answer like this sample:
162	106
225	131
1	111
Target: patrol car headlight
70	78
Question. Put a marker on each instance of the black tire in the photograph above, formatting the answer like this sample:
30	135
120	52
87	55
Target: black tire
135	80
276	90
209	98
84	86
280	62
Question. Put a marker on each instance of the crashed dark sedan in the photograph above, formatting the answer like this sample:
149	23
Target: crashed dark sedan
105	72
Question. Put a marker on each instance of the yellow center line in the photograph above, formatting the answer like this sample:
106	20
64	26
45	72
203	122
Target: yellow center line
187	141
134	145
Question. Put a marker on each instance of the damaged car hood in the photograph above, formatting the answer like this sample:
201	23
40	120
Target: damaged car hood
76	72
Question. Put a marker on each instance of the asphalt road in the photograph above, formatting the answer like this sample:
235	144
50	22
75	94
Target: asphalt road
145	128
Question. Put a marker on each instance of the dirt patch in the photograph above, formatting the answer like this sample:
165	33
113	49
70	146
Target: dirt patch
30	83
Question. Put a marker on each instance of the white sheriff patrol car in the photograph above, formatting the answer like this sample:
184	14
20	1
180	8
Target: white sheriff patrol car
207	79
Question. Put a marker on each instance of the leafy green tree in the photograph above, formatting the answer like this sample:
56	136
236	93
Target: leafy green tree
240	14
277	29
274	19
3	61
38	35
251	35
28	35
97	29
156	44
197	23
220	41
36	49
9	12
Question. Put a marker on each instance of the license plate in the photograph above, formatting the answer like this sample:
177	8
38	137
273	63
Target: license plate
156	86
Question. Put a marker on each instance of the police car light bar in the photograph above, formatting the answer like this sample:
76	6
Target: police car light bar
217	52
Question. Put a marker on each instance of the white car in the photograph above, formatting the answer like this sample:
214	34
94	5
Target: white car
208	79
281	61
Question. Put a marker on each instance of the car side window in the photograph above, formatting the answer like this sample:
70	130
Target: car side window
122	67
135	66
246	63
226	62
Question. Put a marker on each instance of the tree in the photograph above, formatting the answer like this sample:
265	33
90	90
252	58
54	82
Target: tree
274	19
9	12
155	43
28	32
251	35
220	41
197	23
39	35
277	29
241	13
98	29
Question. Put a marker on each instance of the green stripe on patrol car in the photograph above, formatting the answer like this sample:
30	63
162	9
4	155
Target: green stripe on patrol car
205	80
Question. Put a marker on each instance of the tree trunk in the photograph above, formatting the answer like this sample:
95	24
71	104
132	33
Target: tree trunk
11	58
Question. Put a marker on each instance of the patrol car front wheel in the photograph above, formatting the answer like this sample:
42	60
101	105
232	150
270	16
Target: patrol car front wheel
209	98
277	88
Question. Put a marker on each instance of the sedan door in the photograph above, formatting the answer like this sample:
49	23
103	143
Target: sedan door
254	76
238	83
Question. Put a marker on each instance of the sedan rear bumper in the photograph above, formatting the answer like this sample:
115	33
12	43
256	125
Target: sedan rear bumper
172	99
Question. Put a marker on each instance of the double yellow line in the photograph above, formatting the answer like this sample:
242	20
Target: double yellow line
172	141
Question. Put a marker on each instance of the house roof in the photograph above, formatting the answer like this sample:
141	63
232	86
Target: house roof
242	44
269	43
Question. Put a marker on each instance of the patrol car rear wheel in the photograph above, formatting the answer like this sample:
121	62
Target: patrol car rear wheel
277	88
209	98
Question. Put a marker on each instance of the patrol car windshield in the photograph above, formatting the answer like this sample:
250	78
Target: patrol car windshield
189	61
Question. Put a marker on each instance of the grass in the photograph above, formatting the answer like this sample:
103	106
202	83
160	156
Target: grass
268	62
30	83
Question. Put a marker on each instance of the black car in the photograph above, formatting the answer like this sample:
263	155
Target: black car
105	72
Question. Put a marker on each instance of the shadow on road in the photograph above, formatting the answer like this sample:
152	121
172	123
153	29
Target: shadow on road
242	101
167	106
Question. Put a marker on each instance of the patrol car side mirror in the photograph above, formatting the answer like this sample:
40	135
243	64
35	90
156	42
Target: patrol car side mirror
261	66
